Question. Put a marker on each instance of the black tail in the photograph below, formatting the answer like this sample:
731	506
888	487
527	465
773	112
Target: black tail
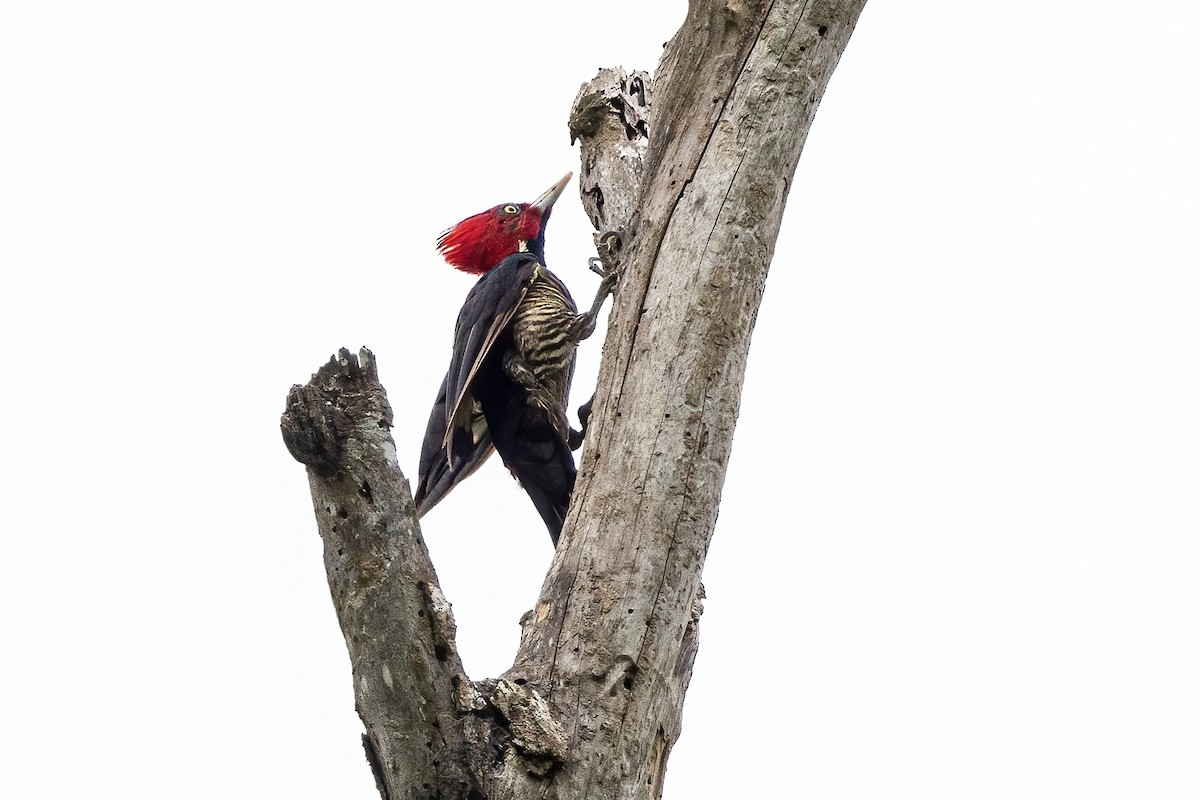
535	452
548	483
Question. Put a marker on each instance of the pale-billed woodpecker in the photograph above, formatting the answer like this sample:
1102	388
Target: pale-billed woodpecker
511	366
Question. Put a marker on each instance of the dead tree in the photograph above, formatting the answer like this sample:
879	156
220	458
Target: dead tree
693	171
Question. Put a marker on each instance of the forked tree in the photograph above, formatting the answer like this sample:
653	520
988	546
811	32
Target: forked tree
692	170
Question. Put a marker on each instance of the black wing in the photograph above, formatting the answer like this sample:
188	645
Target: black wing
457	440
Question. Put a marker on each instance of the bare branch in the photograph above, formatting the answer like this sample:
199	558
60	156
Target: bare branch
409	686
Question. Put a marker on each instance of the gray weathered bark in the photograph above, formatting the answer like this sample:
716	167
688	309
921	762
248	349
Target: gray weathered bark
593	702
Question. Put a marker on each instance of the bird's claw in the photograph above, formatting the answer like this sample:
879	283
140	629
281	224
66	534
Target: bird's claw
575	438
608	266
607	260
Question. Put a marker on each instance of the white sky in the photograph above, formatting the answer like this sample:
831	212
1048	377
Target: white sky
959	550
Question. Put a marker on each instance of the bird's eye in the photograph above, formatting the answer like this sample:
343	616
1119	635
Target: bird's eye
511	210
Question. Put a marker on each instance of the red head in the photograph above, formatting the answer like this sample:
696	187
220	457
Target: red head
479	243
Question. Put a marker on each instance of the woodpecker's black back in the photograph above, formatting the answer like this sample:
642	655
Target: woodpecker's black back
506	388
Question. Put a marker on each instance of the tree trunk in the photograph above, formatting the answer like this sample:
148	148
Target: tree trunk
592	704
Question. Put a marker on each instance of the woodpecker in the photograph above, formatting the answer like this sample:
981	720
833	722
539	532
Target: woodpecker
511	364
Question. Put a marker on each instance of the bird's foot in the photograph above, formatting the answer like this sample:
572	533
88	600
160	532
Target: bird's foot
608	266
607	261
575	437
585	413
